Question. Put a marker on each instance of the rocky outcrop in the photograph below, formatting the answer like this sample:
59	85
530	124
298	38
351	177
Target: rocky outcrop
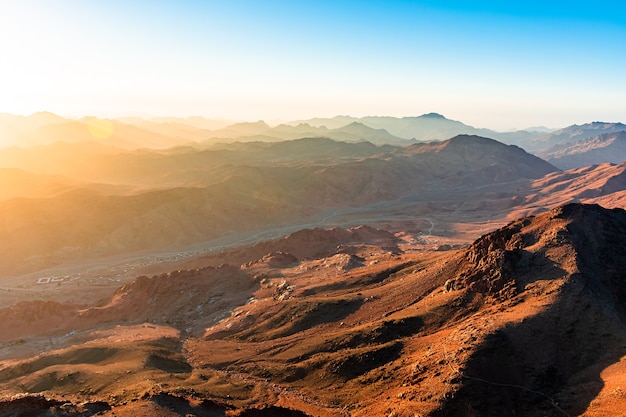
574	256
492	262
36	405
161	403
573	239
185	299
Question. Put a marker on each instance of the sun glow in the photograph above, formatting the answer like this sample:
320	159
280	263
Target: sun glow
497	71
100	128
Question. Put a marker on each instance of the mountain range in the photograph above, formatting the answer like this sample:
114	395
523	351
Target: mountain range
323	267
607	147
156	200
131	133
115	198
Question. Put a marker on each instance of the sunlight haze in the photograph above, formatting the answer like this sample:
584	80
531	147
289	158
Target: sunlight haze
488	64
312	209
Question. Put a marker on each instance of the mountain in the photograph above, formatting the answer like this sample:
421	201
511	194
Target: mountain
552	359
574	133
434	126
16	130
309	269
527	320
134	133
329	123
353	132
106	131
607	147
471	159
27	123
311	150
539	129
195	129
180	166
300	131
593	184
174	129
18	183
428	127
356	131
74	160
186	198
138	302
242	129
114	202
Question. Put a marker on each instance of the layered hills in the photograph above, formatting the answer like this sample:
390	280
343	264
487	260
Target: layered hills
325	267
527	320
81	201
160	200
576	133
159	133
133	133
427	127
607	147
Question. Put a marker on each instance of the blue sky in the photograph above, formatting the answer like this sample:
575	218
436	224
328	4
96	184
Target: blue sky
490	64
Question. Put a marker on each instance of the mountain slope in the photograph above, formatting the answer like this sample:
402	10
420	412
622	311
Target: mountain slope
427	127
488	160
574	133
356	131
528	320
529	317
218	198
549	362
608	147
260	131
598	184
18	183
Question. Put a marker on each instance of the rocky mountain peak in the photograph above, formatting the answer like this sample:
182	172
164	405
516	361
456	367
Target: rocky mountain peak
574	240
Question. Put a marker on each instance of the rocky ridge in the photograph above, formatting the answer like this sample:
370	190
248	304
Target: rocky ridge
527	320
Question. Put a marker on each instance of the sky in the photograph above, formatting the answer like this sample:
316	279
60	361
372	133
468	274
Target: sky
493	64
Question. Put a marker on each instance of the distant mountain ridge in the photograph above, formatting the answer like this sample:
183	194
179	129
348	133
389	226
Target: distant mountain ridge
351	132
607	147
427	127
575	133
483	157
163	132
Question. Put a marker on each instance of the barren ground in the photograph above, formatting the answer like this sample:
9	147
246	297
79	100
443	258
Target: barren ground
387	324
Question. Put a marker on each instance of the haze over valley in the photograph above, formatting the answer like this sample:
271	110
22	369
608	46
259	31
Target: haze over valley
69	195
312	209
174	256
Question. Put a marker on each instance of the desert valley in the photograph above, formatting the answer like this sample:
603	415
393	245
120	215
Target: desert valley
372	266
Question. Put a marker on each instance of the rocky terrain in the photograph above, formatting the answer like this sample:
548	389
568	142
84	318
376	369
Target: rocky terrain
527	320
249	270
574	133
607	147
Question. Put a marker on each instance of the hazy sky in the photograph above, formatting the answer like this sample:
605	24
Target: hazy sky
493	64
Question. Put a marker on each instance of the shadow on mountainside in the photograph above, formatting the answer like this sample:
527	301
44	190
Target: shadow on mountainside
551	363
